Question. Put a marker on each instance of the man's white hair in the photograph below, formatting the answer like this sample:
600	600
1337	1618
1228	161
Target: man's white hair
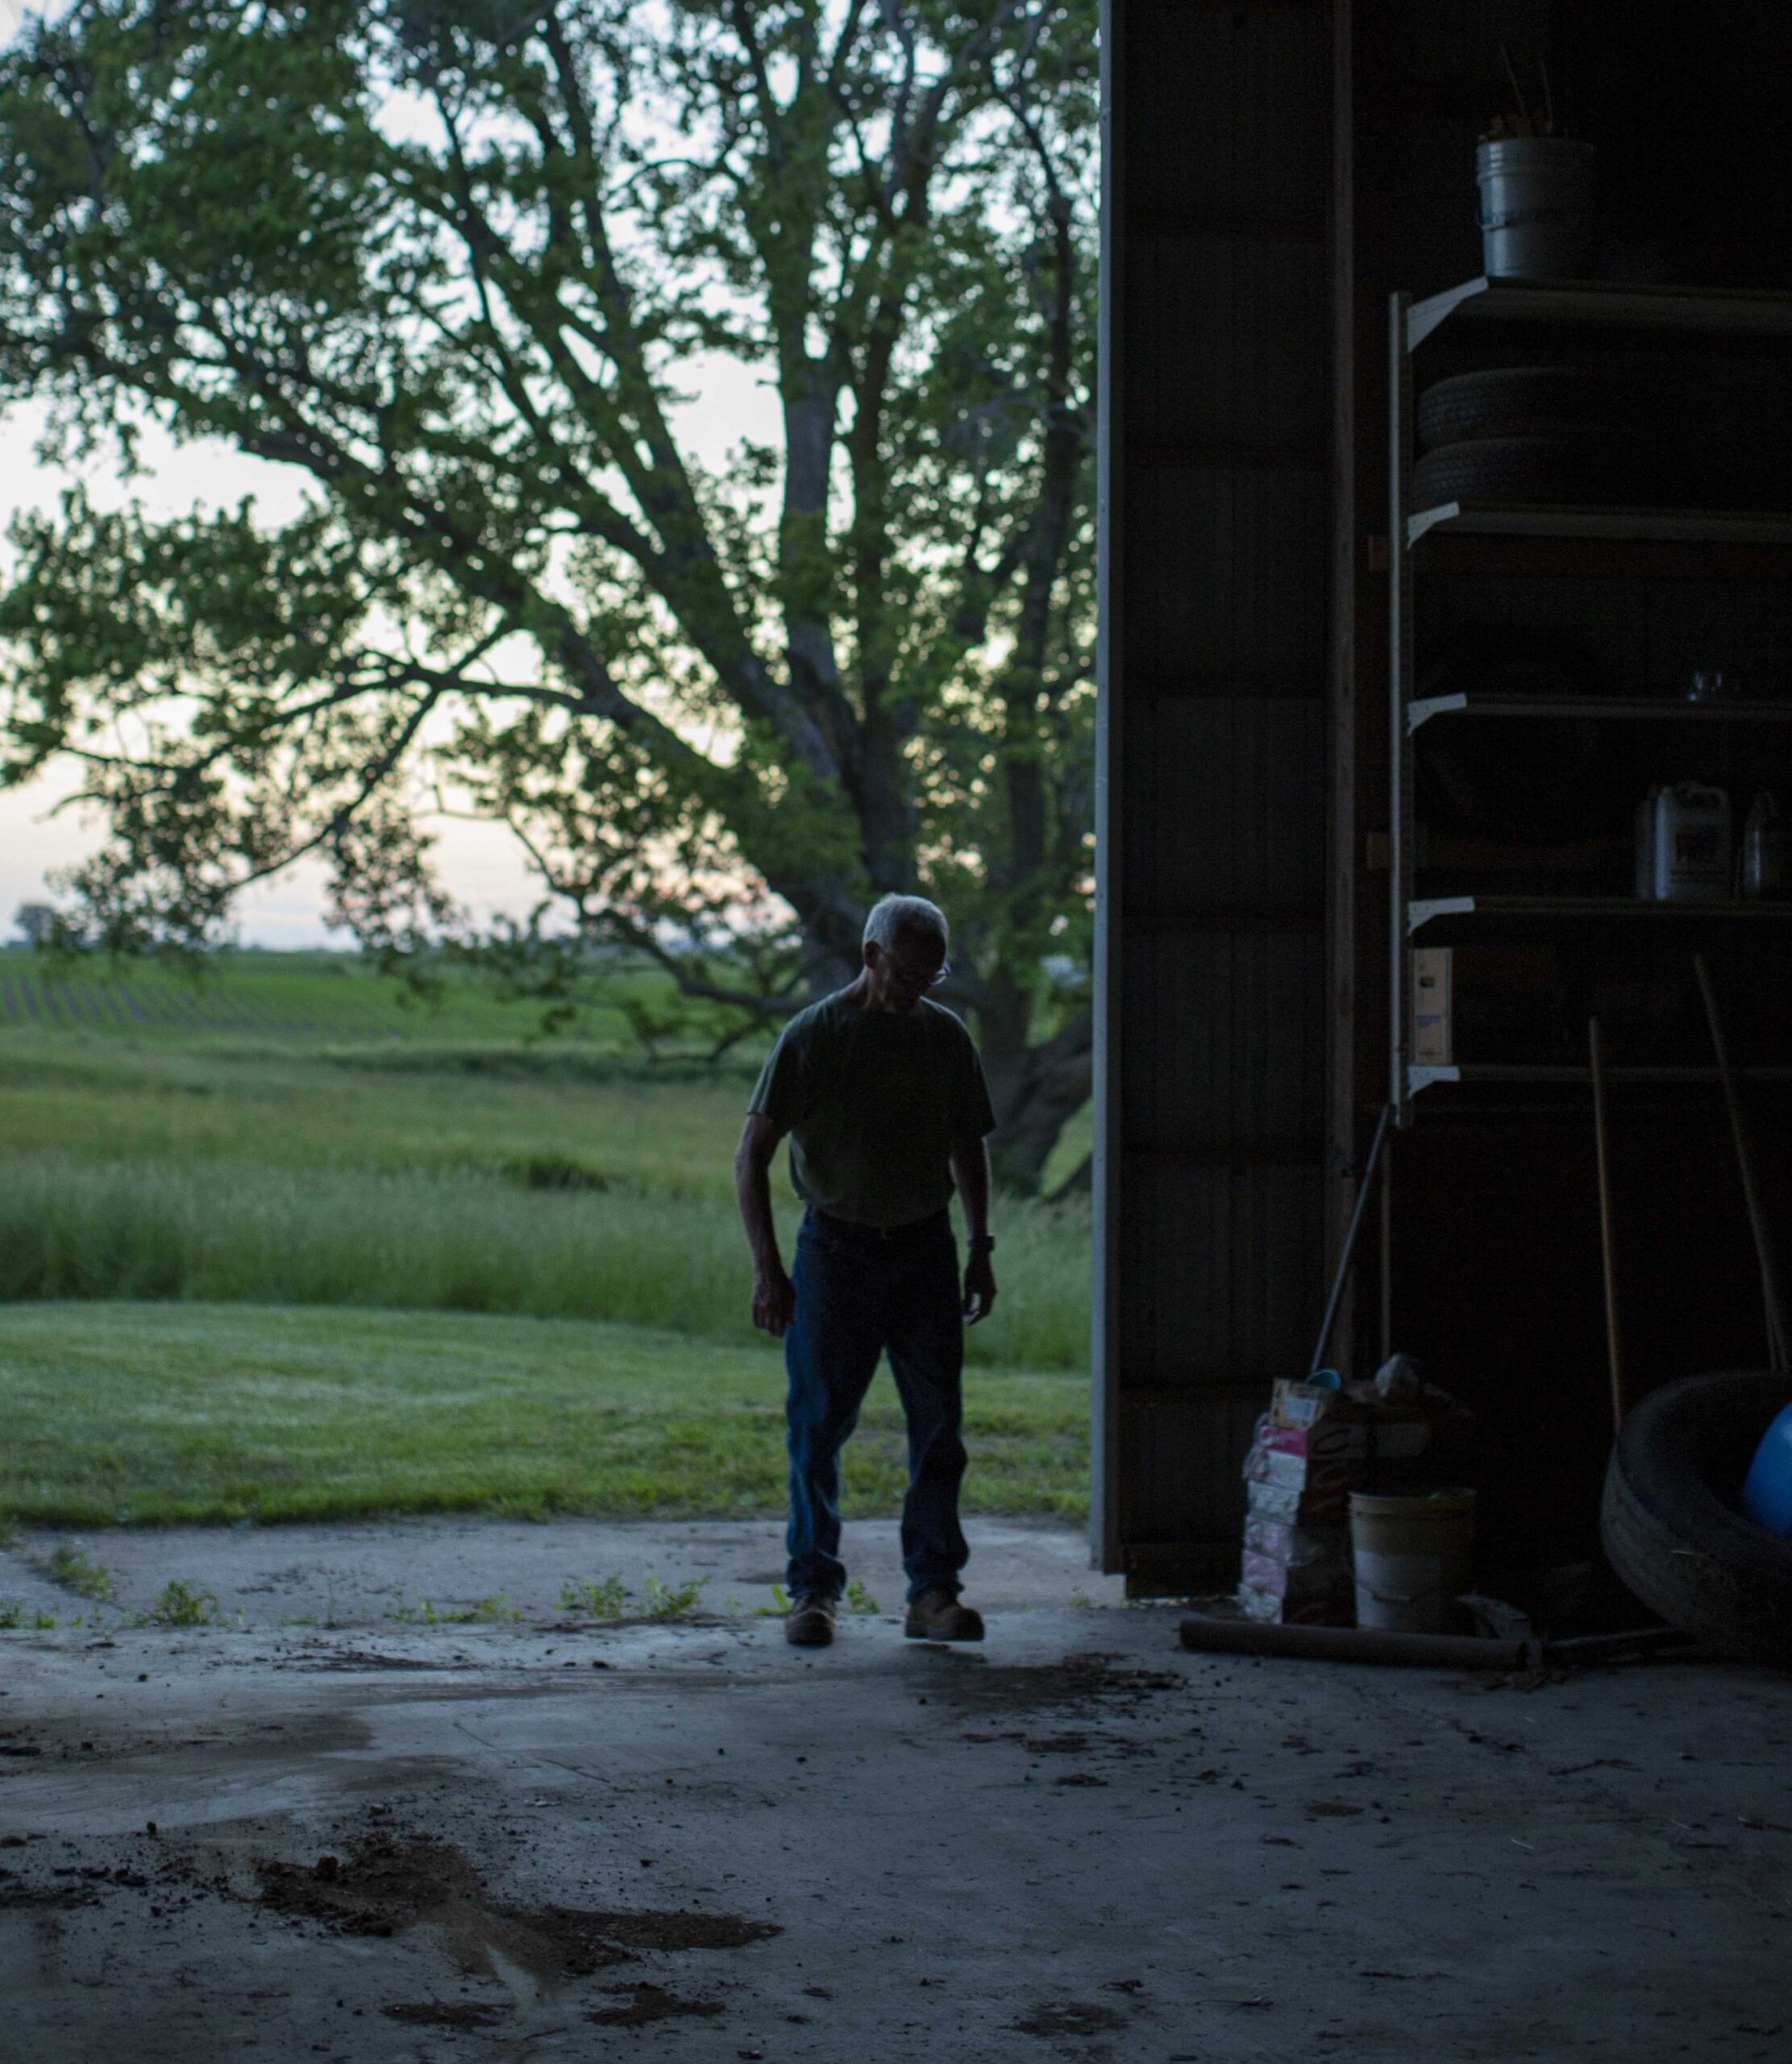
891	916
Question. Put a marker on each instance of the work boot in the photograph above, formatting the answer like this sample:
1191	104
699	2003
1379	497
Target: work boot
809	1622
937	1616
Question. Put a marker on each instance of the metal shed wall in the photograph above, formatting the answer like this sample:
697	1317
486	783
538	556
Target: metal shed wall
1492	1263
1211	1051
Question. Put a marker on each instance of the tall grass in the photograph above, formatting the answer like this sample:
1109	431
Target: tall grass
469	1240
398	1109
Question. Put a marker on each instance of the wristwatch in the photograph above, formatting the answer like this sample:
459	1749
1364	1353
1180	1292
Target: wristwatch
983	1243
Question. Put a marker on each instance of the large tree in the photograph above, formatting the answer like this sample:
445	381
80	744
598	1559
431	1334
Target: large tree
459	262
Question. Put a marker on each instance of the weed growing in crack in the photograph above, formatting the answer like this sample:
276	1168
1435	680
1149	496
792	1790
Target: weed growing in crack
13	1614
602	1598
493	1608
666	1601
482	1611
858	1600
328	1618
180	1604
68	1567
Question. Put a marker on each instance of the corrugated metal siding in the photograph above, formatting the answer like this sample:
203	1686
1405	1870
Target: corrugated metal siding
1216	558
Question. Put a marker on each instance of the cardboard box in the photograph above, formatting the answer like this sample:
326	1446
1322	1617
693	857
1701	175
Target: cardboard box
1433	1012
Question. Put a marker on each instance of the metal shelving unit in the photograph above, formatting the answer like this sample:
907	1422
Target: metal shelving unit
1737	312
1759	316
1599	521
1422	1076
1601	709
1421	910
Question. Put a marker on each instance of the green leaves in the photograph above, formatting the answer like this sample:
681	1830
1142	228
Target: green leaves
459	266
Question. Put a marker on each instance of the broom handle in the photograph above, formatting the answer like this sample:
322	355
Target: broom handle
1607	1252
1771	1302
1350	1241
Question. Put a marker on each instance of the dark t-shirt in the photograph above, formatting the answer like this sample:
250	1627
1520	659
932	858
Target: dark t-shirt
874	1101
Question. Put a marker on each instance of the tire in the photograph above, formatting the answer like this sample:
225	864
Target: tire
1590	466
1523	401
1671	1525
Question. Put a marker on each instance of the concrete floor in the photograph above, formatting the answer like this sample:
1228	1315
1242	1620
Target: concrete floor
1076	1841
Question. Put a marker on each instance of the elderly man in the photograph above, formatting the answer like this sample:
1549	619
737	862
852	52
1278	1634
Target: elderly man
883	1097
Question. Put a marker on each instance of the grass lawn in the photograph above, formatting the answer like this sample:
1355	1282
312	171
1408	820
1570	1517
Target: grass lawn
120	1413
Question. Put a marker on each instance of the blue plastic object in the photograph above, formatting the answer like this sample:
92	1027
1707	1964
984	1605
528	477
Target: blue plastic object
1767	1495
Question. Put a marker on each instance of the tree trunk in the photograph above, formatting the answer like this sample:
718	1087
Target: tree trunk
1036	1089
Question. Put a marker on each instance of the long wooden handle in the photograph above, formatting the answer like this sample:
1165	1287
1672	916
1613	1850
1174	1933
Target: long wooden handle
1773	1304
1349	1249
1608	1261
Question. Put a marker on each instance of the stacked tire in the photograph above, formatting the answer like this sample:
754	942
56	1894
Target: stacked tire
1651	434
1535	433
1671	1521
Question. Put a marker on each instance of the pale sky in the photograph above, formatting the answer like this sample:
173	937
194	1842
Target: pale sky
478	862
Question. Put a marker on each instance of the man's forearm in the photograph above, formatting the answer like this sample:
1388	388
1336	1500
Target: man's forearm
971	1172
753	1193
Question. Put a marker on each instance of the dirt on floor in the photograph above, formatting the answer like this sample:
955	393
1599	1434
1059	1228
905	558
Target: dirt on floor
384	1884
427	1843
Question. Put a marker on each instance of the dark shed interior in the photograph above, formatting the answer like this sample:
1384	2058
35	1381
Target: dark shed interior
1280	170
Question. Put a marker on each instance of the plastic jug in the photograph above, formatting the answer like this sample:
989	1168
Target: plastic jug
1684	845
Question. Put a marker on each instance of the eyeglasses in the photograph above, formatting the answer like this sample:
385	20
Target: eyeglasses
914	985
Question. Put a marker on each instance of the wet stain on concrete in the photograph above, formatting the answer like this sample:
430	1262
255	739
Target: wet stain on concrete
1069	2017
16	1891
447	2013
649	2003
1077	1682
351	1659
384	1885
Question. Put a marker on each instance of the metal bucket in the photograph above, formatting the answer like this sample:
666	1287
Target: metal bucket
1412	1558
1536	207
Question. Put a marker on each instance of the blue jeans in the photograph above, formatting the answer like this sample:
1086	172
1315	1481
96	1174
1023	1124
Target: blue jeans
859	1291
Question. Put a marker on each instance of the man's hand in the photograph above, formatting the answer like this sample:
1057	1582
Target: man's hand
980	1287
774	1303
773	1294
970	1177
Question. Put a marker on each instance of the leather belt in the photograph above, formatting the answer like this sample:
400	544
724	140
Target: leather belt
854	1228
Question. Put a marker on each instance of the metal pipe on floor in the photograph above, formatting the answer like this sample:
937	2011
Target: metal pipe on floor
1378	1645
1358	1644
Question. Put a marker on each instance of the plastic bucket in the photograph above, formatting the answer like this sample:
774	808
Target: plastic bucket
1536	207
1411	1557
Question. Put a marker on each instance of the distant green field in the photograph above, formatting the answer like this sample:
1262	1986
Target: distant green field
562	1178
156	1413
551	1116
302	997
